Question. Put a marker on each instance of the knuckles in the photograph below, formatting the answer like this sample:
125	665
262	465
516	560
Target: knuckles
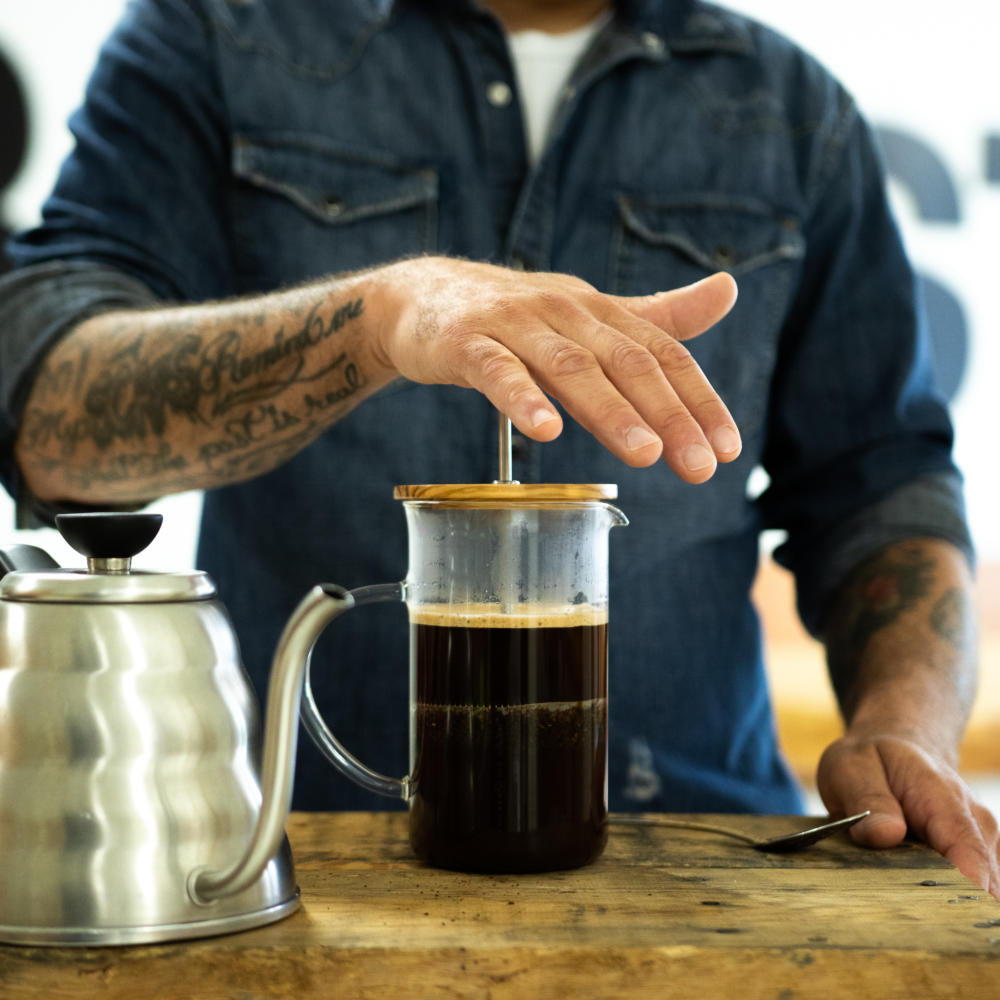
631	360
487	360
568	360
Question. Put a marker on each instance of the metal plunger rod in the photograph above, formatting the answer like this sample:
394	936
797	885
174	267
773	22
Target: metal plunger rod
506	461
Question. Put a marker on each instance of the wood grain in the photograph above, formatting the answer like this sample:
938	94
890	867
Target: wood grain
508	492
664	912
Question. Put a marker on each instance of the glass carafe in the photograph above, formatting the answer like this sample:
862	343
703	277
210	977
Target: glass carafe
507	597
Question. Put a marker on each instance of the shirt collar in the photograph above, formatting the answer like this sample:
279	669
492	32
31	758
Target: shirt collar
684	25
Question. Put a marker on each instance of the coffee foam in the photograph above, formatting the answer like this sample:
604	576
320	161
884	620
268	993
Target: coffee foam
519	616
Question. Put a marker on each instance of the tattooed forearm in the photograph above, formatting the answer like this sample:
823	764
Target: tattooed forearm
907	612
256	457
881	591
134	397
226	368
241	434
951	618
354	382
188	399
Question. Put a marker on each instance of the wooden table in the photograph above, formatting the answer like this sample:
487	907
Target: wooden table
664	913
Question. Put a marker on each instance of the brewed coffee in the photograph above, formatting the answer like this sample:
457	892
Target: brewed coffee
509	737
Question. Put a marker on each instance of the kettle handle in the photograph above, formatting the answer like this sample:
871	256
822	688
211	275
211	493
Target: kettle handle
25	559
315	611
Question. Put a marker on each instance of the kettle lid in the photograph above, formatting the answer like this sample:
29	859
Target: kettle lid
109	541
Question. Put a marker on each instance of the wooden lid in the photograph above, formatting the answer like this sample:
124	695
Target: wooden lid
508	492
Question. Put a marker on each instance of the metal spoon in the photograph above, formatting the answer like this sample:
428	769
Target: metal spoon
785	844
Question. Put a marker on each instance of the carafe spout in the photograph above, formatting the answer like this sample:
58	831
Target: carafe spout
617	518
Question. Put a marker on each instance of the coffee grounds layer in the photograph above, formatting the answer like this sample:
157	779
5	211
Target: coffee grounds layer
509	739
520	615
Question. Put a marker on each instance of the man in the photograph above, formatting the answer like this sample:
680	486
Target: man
158	337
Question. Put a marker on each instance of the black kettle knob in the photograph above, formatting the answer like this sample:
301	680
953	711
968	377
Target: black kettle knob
109	540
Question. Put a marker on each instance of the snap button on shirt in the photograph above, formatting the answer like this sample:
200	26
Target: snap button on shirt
499	94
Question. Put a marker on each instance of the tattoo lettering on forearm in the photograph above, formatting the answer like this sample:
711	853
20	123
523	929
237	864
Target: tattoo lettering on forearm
62	379
133	397
129	400
214	382
242	432
224	364
354	382
266	455
126	468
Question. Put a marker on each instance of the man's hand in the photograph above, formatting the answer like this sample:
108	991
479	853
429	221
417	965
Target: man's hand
901	646
616	364
908	789
133	405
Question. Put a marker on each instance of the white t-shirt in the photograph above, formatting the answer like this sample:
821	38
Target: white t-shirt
543	63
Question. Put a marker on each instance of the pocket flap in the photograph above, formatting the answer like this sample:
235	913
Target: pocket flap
332	185
717	233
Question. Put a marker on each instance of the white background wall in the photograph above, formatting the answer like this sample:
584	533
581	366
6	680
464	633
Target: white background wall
53	45
933	72
932	76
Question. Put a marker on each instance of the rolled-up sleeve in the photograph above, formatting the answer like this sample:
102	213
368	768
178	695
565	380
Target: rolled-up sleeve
859	445
138	212
144	189
40	303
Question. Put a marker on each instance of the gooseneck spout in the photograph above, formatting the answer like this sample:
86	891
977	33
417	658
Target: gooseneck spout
316	610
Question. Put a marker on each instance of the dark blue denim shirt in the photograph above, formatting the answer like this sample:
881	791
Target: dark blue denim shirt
232	146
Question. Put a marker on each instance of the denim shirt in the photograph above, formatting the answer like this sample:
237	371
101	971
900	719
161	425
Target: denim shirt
233	146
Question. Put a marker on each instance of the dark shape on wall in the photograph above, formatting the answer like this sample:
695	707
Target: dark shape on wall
949	336
916	166
13	136
993	159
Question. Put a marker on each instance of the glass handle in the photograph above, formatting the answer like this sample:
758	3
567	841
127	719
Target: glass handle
331	748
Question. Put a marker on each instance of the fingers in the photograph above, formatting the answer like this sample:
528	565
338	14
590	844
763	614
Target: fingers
689	311
682	408
505	381
852	779
633	385
677	404
906	788
617	365
966	834
641	400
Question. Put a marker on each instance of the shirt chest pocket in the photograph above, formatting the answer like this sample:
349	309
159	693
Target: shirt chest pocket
302	208
662	244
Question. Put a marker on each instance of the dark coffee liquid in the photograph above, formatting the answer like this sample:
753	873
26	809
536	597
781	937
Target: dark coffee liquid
509	741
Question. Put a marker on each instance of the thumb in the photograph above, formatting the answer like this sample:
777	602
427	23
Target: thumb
688	311
852	779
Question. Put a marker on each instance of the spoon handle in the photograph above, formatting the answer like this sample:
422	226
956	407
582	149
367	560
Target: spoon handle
681	824
776	845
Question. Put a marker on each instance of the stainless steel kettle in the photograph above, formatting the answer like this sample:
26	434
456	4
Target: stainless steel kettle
137	800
